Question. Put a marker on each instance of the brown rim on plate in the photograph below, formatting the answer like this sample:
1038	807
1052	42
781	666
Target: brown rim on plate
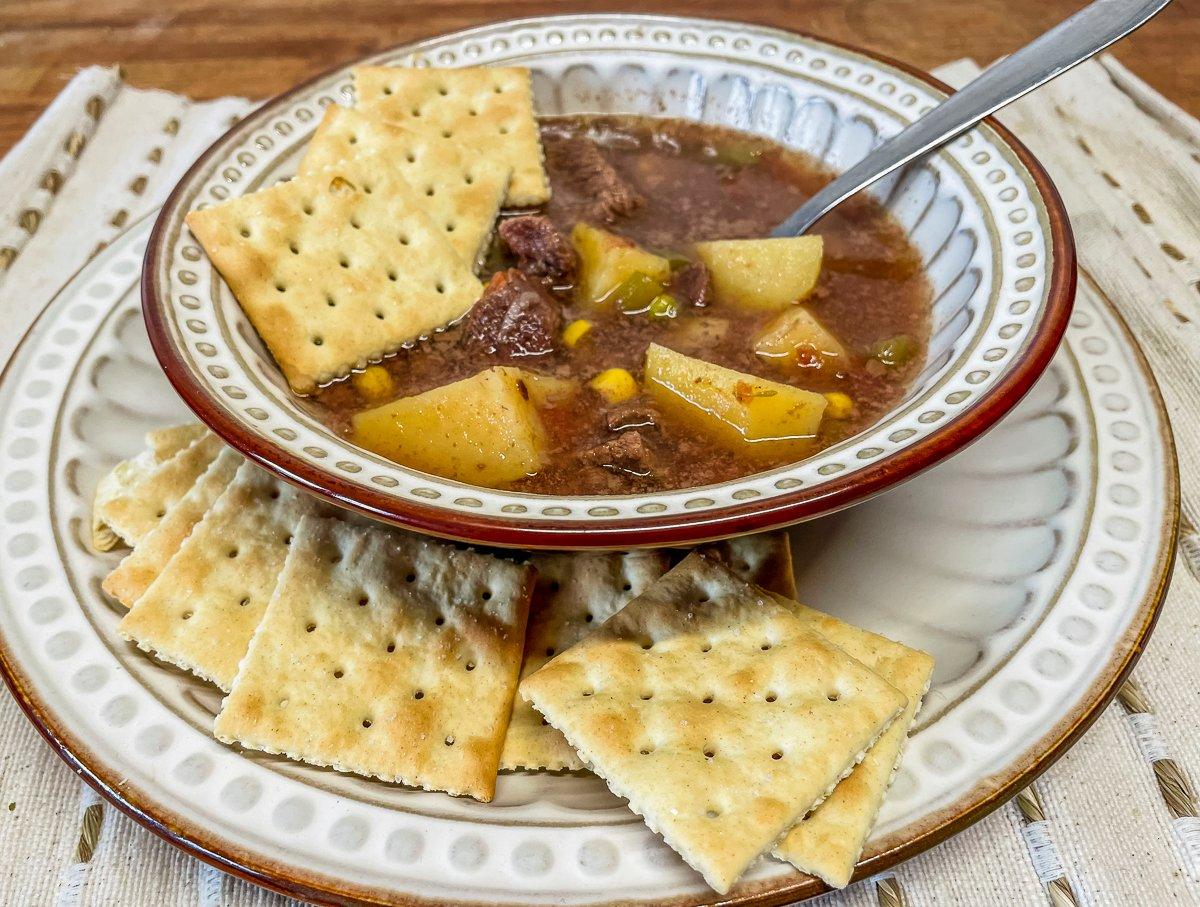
673	529
986	796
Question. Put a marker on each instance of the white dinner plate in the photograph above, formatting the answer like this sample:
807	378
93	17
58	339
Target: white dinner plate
1031	566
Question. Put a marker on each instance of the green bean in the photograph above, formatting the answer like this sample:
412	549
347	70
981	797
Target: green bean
895	352
634	294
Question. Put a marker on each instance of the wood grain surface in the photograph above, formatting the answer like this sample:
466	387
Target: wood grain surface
256	48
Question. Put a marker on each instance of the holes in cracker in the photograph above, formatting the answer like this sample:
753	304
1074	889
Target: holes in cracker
766	647
344	261
187	615
317	341
706	647
647	696
628	587
440	620
647	645
487	595
307	208
330	301
833	695
712	813
646	750
338	674
470	666
440	287
589	617
232	552
392	275
274	495
450	227
771	697
353	139
589	692
777	755
355	223
391	647
550	651
243	601
310	627
245	231
387	89
363	600
710	753
294	248
281	288
443	90
410	578
429	190
379	315
404	240
449	741
708	700
420	694
160	514
416	111
287	540
469	180
447	134
366	722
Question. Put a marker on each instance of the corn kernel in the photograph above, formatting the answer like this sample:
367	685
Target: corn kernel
575	331
374	383
838	405
615	385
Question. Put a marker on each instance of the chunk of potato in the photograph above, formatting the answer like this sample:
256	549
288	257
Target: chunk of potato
484	429
796	338
743	412
763	273
607	260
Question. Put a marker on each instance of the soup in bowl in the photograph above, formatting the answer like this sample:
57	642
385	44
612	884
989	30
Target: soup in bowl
638	364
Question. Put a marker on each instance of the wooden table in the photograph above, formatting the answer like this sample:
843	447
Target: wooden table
255	48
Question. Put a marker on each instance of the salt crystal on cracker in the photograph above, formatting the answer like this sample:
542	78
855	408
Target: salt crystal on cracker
486	111
387	655
461	193
829	840
202	609
142	565
575	594
717	712
130	500
335	274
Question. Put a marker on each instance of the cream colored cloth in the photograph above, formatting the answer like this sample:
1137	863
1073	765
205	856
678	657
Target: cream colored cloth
1096	829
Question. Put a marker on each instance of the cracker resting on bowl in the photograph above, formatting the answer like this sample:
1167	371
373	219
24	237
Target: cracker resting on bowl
575	594
202	609
131	499
485	110
334	275
716	712
143	565
387	655
829	840
462	193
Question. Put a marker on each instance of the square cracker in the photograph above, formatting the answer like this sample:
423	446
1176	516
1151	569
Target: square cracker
763	559
717	712
486	111
202	609
333	274
130	500
387	655
142	565
829	840
461	193
575	594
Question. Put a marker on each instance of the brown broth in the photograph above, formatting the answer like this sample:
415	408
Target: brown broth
700	182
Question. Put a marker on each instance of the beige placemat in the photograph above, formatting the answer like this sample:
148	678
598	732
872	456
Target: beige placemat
1113	822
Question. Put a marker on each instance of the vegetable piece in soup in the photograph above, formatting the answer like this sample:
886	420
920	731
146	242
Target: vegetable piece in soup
748	414
485	429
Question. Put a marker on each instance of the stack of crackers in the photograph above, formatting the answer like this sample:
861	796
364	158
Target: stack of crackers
376	241
734	720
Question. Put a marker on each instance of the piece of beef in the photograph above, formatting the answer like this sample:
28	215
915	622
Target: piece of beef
540	249
514	318
612	196
630	415
627	452
693	284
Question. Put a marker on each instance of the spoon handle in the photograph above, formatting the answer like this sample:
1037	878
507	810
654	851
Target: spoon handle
1072	41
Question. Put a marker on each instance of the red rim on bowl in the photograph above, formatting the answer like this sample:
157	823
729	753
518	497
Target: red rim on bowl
804	503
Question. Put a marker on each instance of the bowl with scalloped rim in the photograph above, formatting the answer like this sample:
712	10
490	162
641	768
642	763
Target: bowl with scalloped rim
990	227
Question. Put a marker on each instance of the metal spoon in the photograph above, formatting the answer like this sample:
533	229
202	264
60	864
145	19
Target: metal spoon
1086	33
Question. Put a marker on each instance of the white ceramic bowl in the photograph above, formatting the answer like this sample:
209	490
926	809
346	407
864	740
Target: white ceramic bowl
991	229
